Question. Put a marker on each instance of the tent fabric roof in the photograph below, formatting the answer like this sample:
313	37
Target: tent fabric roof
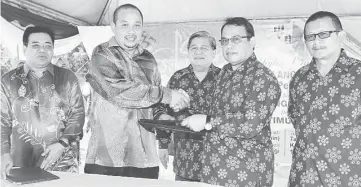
22	18
97	12
65	15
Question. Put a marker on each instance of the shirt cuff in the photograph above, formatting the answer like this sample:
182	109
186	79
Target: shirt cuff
167	95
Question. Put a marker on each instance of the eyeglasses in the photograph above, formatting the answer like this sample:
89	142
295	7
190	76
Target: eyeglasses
235	39
46	47
321	35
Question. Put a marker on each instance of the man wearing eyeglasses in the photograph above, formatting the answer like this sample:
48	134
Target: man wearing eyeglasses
198	81
42	110
238	149
325	109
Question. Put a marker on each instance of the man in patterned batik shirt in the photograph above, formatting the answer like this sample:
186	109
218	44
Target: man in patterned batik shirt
126	85
325	109
238	149
198	81
42	111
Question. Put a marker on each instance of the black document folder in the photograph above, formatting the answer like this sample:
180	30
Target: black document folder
29	175
169	125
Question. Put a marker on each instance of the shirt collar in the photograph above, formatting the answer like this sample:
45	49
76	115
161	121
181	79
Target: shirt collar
246	64
342	62
49	68
113	42
211	68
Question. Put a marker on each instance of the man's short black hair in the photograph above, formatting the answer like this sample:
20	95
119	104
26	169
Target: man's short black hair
239	21
324	14
37	29
125	7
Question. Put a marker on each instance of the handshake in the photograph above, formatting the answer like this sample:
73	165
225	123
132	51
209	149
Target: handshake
180	100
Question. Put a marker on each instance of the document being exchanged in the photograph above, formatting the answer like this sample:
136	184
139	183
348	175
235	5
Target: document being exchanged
180	100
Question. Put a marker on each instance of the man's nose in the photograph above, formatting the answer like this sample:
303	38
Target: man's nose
41	48
131	30
198	51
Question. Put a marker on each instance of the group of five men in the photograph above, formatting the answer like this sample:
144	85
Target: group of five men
42	111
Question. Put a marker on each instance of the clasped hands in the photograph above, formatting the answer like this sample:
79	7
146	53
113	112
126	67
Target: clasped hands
180	100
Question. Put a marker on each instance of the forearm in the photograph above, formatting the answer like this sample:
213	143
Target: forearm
76	114
116	85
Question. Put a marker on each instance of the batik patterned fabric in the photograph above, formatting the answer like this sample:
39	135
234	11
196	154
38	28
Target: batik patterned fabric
125	90
37	112
238	151
188	147
326	114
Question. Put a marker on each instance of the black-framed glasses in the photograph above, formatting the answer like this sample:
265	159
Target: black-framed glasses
235	39
46	47
321	35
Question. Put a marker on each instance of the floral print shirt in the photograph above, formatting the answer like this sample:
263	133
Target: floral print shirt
238	151
188	147
38	111
326	114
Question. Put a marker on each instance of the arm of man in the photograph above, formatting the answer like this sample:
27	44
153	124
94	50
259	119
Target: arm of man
5	129
161	112
249	123
73	128
119	88
292	104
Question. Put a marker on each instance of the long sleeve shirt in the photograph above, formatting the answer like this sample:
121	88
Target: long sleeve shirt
188	147
326	114
38	111
238	150
125	90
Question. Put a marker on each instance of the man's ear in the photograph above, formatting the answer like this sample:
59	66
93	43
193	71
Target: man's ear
252	41
214	52
342	36
24	48
112	25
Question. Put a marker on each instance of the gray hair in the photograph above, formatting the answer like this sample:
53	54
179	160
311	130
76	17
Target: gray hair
202	34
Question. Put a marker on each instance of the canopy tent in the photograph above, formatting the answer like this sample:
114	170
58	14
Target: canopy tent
96	12
64	16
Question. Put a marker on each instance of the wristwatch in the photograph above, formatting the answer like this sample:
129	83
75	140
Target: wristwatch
63	143
208	125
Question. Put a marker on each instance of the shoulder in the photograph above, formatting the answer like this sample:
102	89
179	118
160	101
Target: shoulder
354	64
12	74
147	54
216	70
262	71
299	74
65	73
104	50
180	73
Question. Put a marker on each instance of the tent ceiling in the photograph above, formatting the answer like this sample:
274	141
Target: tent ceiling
22	18
91	11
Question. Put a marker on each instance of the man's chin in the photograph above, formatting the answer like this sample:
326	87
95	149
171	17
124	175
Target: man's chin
131	46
